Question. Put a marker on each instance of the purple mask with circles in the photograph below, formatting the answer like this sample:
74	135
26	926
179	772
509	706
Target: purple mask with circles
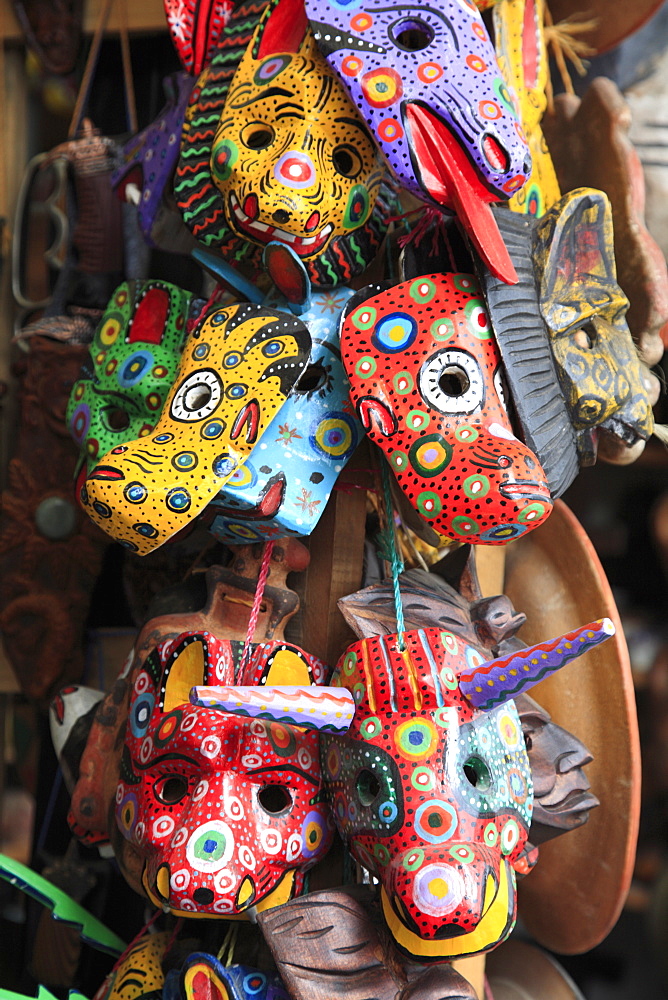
426	80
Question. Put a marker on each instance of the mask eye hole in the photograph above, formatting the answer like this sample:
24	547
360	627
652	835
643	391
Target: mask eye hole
451	381
347	161
198	396
117	419
257	136
172	789
367	786
586	337
477	773
274	799
312	378
411	34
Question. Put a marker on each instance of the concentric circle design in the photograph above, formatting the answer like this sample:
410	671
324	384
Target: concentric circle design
423	779
313	834
335	436
371	727
140	716
224	155
422	290
210	846
134	369
295	169
477	319
429	504
282	739
389	130
366	366
413	859
394	333
364	317
430	455
387	812
442	328
403	383
429	72
270	68
135	493
438	890
465	526
490	835
169	725
177	500
476	487
416	739
462	853
435	821
382	87
510	836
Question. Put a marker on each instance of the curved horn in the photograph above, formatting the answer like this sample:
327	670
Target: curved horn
329	709
499	680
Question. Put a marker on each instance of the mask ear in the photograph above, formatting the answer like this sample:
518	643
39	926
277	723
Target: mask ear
497	681
283	30
575	262
184	669
327	709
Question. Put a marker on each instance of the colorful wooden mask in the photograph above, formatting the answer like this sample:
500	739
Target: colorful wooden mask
519	38
432	788
203	977
149	159
278	153
429	84
238	368
195	27
584	310
427	382
226	812
283	486
134	357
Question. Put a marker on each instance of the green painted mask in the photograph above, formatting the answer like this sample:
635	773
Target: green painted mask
134	357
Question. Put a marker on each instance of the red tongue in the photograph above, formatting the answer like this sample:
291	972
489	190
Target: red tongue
449	179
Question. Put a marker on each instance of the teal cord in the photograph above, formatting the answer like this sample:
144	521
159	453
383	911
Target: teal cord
396	561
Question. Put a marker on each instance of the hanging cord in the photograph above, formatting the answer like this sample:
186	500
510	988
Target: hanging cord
229	943
136	938
257	600
562	39
396	563
91	66
193	323
128	79
173	936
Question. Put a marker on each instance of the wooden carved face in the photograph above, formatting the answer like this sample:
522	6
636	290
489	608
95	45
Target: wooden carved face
433	797
426	79
291	157
134	357
235	374
427	381
224	812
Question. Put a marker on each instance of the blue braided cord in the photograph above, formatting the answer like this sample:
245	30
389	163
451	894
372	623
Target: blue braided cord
396	560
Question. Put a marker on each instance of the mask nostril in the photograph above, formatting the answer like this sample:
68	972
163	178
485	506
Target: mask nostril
280	216
203	896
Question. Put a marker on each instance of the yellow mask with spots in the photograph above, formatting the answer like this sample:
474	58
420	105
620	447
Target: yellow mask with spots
291	156
520	49
236	372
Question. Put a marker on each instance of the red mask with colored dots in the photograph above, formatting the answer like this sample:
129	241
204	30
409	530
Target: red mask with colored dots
227	813
433	796
426	378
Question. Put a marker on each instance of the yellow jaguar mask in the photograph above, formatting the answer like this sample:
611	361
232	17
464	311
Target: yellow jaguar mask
292	157
236	372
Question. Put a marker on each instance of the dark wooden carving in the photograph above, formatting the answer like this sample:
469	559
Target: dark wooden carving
589	144
332	944
50	551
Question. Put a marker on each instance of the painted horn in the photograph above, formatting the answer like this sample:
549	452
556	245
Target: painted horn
499	680
329	709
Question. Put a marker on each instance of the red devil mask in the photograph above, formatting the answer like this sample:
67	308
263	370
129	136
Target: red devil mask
228	812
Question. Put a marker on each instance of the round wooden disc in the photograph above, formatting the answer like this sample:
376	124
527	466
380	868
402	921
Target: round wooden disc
518	971
573	897
616	19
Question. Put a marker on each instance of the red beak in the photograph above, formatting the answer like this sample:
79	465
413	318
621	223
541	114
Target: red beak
447	175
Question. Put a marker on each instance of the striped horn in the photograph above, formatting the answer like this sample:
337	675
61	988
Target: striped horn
499	680
328	709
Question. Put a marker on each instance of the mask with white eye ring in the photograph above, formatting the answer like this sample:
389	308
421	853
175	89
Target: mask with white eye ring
451	381
197	396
